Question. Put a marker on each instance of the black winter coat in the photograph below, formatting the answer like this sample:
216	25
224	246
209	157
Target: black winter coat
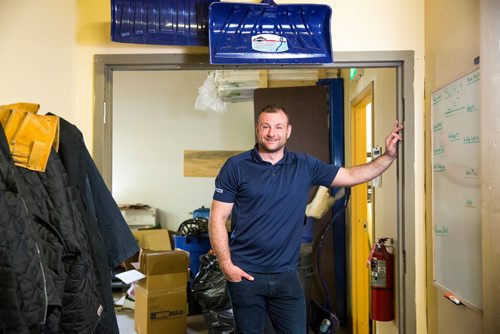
23	287
75	304
55	264
112	241
97	199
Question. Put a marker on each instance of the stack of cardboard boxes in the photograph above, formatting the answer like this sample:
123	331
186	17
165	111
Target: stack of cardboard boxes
161	297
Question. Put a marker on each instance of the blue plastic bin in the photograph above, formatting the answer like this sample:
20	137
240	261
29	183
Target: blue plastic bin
201	212
196	246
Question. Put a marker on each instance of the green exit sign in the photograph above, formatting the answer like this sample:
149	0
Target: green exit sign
355	74
352	73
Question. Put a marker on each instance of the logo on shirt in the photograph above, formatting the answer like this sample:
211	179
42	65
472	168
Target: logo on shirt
219	190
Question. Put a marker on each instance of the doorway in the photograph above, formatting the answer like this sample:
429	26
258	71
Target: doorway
361	210
106	65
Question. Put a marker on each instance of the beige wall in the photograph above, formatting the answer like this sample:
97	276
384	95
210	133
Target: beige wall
38	54
48	48
490	158
452	43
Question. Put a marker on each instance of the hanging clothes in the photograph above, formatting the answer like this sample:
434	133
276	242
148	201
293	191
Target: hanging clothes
61	234
115	242
22	270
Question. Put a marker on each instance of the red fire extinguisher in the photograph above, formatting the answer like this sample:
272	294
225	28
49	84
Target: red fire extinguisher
382	281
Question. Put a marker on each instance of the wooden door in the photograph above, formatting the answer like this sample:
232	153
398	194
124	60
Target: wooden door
307	109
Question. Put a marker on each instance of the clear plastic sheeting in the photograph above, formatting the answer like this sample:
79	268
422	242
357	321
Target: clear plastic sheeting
232	86
237	86
208	98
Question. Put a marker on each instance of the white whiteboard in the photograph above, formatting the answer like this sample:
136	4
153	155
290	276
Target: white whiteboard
456	192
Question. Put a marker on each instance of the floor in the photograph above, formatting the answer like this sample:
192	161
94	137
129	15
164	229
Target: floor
195	323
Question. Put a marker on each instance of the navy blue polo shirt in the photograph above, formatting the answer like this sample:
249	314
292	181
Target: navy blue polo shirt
269	206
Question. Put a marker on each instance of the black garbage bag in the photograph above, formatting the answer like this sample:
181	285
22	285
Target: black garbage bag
209	286
219	322
210	292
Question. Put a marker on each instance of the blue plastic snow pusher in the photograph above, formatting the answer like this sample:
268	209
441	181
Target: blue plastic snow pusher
242	33
164	22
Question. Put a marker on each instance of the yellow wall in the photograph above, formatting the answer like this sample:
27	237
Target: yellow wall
452	43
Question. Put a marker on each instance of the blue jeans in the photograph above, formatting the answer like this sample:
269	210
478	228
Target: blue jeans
279	295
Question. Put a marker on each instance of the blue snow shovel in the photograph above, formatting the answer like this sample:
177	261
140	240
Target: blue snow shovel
267	33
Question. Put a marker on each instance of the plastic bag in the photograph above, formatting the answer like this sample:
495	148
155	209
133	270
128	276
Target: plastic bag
209	286
210	291
208	99
219	322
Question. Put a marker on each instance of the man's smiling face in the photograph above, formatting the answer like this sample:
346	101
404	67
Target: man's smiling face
272	130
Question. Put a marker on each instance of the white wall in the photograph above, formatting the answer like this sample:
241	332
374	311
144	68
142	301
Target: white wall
154	122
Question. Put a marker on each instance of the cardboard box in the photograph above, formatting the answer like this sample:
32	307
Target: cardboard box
161	297
153	240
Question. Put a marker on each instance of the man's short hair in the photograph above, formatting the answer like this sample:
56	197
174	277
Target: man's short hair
273	108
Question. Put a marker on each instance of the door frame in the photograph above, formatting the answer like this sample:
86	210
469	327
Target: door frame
402	61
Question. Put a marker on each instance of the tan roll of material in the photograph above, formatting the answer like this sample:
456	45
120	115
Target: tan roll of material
320	204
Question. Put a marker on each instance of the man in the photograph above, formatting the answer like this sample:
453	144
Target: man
265	190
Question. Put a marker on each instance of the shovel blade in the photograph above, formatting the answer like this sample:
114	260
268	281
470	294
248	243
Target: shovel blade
268	33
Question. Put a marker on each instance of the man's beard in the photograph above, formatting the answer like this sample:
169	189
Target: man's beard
268	149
